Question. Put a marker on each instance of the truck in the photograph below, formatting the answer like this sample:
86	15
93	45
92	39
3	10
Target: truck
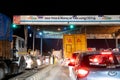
12	49
73	43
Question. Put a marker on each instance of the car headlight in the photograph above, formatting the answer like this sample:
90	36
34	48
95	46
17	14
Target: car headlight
29	61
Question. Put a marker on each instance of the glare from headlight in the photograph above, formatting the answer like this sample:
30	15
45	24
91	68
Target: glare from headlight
29	61
38	62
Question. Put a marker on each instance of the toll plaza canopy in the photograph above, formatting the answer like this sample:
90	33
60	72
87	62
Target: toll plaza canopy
67	19
104	25
94	26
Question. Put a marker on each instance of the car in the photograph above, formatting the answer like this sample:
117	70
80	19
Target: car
39	61
97	65
70	60
73	58
30	62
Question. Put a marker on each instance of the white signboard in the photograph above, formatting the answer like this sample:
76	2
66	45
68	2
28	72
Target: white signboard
89	36
99	36
65	20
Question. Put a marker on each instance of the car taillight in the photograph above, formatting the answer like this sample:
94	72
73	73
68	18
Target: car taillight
95	60
111	58
72	60
82	72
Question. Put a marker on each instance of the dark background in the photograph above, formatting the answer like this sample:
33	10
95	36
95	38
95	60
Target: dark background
59	7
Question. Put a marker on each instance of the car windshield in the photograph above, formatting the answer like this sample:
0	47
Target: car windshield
101	60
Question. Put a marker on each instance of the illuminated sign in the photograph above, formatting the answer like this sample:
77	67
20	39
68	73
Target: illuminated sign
62	20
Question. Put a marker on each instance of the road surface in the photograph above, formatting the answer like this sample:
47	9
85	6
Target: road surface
58	72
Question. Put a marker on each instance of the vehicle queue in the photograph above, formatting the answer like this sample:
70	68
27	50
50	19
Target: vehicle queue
102	64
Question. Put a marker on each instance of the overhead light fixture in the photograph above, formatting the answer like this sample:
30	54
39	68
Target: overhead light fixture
59	29
38	29
40	33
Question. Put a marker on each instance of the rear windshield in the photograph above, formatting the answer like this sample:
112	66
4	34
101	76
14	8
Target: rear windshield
102	60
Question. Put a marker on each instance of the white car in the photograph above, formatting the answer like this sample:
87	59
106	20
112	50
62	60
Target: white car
39	62
30	62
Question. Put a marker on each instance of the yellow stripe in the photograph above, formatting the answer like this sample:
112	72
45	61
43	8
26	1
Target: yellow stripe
23	52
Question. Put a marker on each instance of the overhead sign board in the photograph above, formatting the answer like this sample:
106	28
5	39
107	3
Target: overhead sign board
59	35
65	20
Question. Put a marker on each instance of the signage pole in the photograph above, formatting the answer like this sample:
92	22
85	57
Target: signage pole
116	42
41	45
33	39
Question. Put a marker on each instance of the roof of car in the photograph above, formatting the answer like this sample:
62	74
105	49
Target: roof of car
97	52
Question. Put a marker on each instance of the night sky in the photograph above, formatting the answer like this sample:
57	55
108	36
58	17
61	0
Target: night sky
19	31
59	7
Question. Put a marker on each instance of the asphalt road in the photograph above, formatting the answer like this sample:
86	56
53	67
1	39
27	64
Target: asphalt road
58	73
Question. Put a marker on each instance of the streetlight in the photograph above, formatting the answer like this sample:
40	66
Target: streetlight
14	25
72	26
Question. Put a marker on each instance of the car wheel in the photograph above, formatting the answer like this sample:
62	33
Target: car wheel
2	73
14	69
